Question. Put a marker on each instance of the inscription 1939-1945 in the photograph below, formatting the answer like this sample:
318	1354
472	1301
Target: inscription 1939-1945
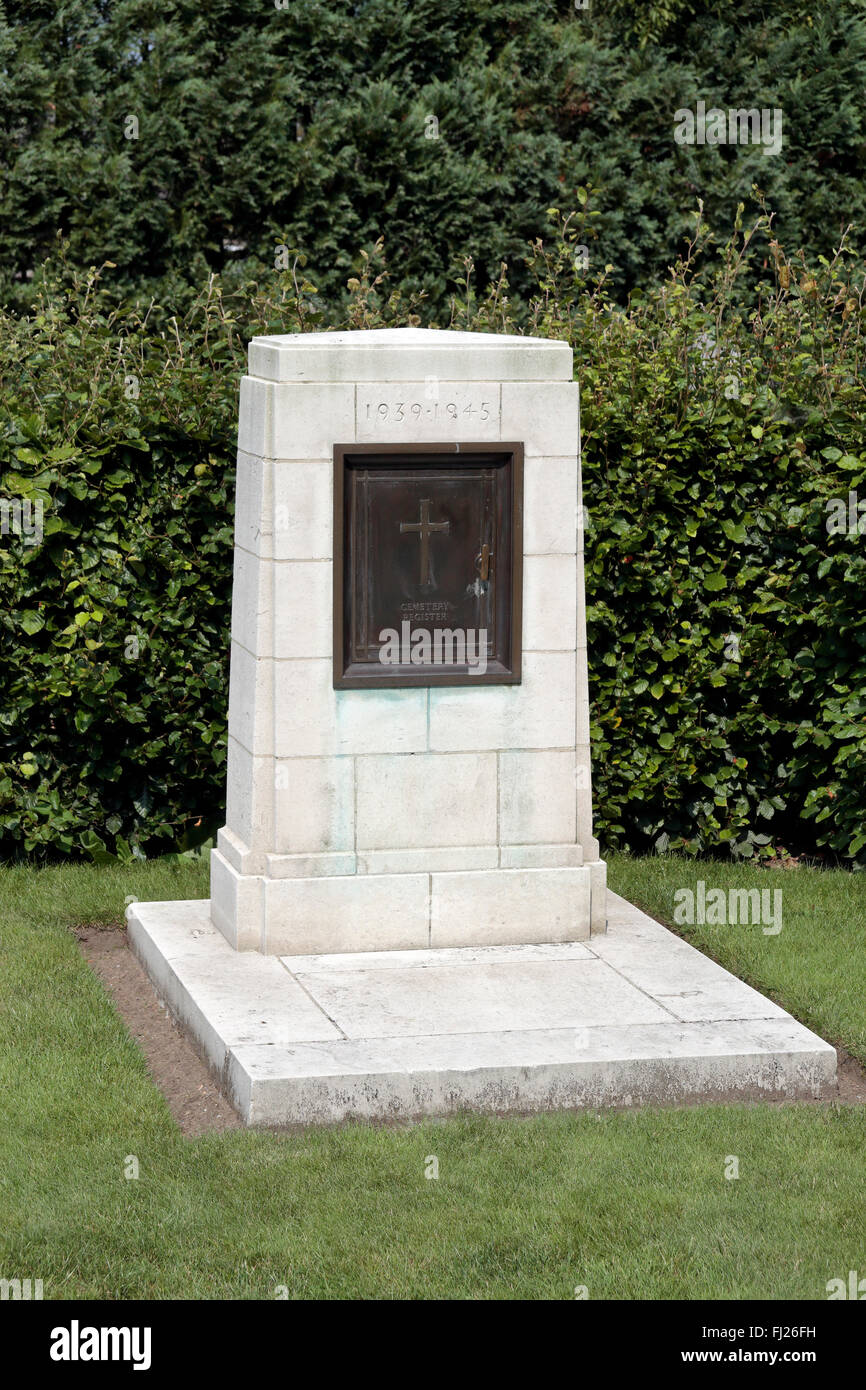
427	564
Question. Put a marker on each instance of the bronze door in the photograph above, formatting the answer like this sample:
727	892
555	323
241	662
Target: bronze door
427	564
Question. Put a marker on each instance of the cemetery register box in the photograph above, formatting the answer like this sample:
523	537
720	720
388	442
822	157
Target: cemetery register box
427	542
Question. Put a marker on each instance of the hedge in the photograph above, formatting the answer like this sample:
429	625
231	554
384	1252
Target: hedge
180	138
721	448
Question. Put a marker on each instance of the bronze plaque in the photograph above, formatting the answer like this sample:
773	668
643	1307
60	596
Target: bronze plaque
428	551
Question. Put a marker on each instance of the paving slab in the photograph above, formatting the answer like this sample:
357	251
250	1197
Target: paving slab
634	1017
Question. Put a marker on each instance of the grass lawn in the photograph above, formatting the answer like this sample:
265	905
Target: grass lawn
629	1204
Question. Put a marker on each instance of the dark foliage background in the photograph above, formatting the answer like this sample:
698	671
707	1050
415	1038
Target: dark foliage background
308	125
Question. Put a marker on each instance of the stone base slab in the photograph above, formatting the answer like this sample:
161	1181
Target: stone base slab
636	1016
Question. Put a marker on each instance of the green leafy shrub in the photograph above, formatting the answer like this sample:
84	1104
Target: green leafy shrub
725	621
727	636
113	628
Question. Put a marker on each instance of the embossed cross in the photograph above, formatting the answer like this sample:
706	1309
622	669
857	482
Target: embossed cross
425	528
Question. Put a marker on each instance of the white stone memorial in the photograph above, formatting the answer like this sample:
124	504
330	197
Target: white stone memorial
402	818
408	913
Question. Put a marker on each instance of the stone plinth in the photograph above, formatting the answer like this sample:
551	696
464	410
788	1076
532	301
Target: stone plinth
402	818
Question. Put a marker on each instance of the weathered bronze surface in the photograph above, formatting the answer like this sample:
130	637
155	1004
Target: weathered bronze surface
427	546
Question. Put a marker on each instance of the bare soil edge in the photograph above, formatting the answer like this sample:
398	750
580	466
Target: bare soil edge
194	1098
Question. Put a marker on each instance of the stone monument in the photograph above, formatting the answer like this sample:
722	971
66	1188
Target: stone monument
408	758
407	909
